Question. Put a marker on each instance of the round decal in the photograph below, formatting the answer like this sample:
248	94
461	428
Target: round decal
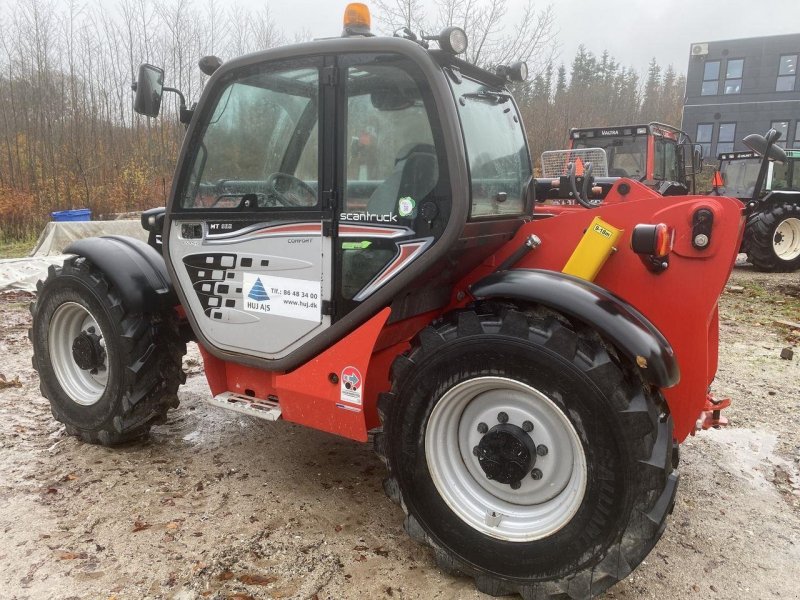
405	206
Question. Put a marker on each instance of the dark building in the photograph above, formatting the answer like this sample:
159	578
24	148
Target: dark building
738	87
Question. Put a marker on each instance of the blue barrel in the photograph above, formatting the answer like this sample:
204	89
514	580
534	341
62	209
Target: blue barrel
79	214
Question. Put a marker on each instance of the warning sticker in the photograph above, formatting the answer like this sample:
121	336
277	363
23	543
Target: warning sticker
282	297
352	388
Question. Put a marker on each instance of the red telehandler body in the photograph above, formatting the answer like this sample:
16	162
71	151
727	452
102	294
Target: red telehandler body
352	241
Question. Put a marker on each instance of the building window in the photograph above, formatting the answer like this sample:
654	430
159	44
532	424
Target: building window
710	79
787	73
783	128
726	137
704	133
733	76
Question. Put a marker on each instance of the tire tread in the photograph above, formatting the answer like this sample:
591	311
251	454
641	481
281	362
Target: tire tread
643	413
152	352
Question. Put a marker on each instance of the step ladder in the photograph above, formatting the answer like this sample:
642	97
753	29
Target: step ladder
247	405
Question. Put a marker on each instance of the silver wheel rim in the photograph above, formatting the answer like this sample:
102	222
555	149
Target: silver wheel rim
82	386
786	242
539	508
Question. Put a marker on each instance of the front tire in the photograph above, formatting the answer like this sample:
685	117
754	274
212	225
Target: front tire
774	238
564	521
109	374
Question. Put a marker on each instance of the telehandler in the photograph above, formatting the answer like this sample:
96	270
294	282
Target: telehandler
351	240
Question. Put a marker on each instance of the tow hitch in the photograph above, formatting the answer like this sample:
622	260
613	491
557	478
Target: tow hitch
711	415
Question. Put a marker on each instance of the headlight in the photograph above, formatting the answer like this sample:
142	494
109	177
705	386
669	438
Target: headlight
518	71
453	40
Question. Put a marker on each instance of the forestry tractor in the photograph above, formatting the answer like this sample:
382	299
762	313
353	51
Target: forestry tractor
767	180
597	158
352	242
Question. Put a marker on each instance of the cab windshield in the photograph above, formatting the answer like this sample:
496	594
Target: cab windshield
739	177
499	163
627	155
261	142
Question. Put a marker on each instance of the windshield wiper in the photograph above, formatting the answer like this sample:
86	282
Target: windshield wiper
494	97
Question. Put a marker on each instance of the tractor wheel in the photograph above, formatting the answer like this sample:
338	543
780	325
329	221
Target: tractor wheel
109	374
526	453
774	238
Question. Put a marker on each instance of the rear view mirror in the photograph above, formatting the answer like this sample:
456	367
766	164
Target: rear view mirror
391	100
765	145
697	159
149	88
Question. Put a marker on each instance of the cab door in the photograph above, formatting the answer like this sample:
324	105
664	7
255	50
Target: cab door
394	189
249	236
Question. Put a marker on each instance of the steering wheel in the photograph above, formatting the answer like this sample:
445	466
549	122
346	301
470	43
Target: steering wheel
290	190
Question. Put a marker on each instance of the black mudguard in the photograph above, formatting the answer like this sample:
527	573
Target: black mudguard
135	269
616	320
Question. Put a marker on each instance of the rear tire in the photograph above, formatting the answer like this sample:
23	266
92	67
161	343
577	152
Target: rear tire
624	440
109	374
774	238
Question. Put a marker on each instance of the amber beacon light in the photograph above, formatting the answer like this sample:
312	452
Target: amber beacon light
356	19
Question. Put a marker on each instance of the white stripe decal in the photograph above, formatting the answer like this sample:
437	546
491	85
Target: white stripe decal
261	231
408	252
373	231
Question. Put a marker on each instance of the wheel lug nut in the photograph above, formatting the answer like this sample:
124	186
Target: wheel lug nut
541	450
527	426
488	476
482	428
515	485
476	451
536	474
502	417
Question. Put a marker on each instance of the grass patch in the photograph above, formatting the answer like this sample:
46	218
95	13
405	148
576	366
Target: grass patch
17	248
791	310
754	289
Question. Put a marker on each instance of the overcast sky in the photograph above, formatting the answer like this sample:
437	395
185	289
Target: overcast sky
633	31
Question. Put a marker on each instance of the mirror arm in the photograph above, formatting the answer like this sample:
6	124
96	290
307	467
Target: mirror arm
185	113
762	172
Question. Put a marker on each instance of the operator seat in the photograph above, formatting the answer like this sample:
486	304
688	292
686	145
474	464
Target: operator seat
416	171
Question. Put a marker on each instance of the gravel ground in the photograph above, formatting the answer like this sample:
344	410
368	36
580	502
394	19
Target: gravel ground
216	505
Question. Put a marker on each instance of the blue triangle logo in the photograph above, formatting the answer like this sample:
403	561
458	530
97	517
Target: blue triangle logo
257	292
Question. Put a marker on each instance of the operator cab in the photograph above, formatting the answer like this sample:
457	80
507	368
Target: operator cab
654	154
598	157
321	182
738	172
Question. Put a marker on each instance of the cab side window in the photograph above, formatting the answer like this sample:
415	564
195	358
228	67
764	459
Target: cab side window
391	165
389	150
499	164
666	161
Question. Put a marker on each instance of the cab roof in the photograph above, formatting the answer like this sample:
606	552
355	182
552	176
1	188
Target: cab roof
658	129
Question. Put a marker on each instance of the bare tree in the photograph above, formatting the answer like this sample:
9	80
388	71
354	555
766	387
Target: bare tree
394	15
69	136
496	36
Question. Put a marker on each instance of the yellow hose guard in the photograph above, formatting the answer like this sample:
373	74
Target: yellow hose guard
592	252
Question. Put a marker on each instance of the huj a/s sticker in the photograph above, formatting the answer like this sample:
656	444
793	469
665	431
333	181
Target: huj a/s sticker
282	297
352	386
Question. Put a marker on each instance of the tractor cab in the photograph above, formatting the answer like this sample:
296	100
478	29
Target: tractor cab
654	154
738	171
767	181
